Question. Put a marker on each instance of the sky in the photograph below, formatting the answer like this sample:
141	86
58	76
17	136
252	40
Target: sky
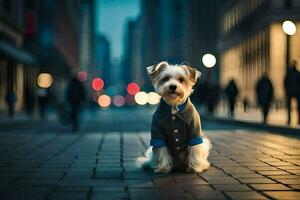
111	18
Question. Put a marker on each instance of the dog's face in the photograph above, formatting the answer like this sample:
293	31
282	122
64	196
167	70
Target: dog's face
173	83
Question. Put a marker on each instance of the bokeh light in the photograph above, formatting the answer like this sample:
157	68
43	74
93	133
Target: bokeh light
98	84
45	80
104	101
141	98
153	98
129	99
119	101
289	27
133	88
209	60
82	76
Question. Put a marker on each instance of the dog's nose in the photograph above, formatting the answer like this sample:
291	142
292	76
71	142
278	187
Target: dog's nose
173	87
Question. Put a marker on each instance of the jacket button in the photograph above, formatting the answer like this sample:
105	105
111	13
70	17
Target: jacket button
173	117
176	131
177	140
177	148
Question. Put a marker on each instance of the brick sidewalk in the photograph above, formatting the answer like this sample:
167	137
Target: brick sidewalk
245	165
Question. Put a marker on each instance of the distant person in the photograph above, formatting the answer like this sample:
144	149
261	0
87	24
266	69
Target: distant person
29	101
232	92
10	101
75	97
43	99
212	97
292	88
264	95
246	104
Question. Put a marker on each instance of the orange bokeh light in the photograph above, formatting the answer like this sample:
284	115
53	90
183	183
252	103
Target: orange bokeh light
104	101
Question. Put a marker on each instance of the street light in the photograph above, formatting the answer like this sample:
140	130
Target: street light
289	28
209	60
45	80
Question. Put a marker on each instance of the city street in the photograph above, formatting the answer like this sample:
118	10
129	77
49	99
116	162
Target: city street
47	161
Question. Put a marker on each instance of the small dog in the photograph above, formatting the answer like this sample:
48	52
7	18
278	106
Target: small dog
176	135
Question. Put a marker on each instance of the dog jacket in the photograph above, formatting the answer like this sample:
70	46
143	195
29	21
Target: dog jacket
176	128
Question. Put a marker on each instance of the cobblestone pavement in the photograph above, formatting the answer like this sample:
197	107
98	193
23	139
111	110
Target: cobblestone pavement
245	165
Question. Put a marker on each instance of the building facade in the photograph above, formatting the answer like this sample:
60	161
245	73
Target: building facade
203	34
252	42
17	66
102	56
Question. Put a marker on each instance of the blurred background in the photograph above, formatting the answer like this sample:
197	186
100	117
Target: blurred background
58	57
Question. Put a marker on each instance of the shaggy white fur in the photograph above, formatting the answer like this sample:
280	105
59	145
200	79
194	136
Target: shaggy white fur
161	161
164	161
158	159
197	158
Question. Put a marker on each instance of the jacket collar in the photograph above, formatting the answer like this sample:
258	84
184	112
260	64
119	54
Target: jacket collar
182	110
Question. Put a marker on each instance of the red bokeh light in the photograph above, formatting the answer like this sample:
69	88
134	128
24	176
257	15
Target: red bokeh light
98	84
133	88
82	76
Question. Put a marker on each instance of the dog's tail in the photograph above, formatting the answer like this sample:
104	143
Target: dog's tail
146	160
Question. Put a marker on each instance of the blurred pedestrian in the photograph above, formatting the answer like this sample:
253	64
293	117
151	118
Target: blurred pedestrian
212	97
29	101
232	92
43	99
10	101
246	104
264	95
292	88
75	96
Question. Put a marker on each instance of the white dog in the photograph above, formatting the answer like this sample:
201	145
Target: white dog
176	135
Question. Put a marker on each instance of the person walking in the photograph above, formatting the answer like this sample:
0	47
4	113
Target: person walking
75	97
43	98
232	92
292	89
29	101
10	101
264	95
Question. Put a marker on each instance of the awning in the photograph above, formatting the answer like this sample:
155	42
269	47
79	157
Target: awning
16	53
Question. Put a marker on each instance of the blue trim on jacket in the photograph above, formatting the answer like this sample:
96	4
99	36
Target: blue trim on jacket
157	143
195	141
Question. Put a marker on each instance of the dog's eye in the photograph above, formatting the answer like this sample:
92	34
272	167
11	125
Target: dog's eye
165	79
181	79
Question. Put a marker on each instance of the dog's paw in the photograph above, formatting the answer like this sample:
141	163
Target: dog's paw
189	170
162	170
200	168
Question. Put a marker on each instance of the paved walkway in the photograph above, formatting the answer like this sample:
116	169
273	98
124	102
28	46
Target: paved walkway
245	165
276	117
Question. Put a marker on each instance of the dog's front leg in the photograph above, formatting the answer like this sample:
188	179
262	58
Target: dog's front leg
163	160
197	158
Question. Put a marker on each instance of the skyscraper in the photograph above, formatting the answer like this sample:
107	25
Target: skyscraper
102	59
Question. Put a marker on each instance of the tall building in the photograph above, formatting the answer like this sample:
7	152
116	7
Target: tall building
87	31
203	18
17	66
252	42
151	37
102	56
133	70
164	32
173	30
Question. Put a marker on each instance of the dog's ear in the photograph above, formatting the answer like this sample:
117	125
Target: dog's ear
192	73
155	70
